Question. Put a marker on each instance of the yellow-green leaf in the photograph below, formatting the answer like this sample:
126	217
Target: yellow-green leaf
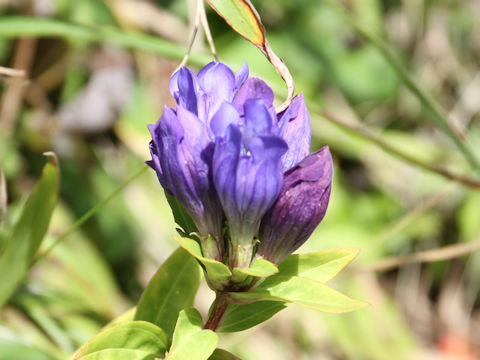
190	341
321	266
242	17
301	291
217	272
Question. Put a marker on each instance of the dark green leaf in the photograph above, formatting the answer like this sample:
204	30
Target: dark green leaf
29	231
180	215
242	317
171	289
220	354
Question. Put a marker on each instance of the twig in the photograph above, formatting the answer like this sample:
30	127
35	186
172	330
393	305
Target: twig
411	216
437	112
200	17
13	95
12	72
362	131
206	29
440	254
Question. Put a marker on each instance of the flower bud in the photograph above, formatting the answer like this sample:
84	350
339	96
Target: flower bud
300	207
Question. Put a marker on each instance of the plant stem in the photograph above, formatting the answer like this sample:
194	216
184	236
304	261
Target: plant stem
219	306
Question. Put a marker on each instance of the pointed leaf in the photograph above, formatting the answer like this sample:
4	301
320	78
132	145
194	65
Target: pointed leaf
145	339
217	271
301	291
220	354
190	341
259	268
180	215
242	317
29	231
321	266
171	289
242	17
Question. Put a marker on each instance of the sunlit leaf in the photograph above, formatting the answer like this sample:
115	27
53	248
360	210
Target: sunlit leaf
136	338
217	271
321	266
242	17
259	268
29	231
190	341
301	291
171	289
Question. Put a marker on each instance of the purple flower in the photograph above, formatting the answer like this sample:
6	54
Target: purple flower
300	207
223	151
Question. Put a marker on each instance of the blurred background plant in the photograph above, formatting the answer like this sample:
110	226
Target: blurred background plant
393	87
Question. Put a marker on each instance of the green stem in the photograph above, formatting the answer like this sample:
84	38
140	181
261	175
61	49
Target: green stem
88	215
219	306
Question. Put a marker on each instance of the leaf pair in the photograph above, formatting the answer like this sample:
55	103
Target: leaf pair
22	243
301	279
141	340
218	273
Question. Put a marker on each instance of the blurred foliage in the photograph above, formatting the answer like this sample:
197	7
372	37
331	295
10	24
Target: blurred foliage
89	99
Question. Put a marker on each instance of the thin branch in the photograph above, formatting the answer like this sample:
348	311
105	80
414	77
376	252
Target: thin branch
206	29
362	131
438	114
440	254
87	216
196	25
12	72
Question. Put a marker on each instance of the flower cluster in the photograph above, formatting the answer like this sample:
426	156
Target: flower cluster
240	170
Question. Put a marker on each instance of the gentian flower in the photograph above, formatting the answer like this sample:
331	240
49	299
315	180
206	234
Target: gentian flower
223	151
300	207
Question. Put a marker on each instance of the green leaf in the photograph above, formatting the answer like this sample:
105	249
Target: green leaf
242	17
29	231
137	338
180	215
171	289
220	354
216	271
16	26
3	196
259	267
190	341
321	266
301	291
242	317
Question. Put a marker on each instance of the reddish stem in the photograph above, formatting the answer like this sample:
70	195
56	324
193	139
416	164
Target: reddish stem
219	307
